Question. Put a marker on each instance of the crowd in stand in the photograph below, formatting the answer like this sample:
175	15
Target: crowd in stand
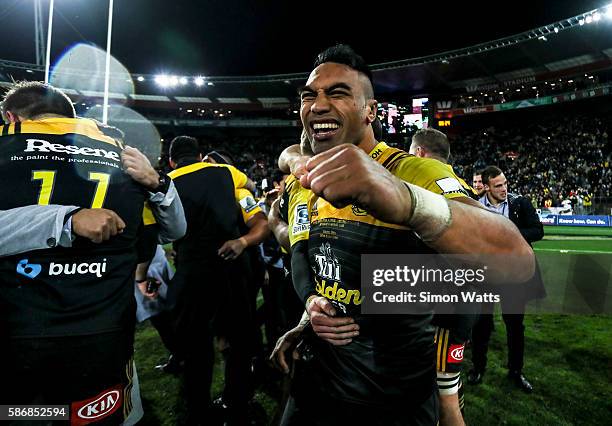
549	163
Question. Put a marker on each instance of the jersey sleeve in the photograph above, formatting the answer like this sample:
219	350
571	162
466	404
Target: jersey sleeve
431	175
239	178
248	205
299	217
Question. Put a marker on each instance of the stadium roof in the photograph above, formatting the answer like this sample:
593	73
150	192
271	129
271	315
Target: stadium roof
564	48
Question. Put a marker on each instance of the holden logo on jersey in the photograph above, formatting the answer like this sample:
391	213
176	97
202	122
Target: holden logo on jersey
327	263
96	268
41	145
455	354
30	270
301	223
100	406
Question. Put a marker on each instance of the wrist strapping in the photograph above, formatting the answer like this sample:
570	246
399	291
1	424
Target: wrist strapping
431	214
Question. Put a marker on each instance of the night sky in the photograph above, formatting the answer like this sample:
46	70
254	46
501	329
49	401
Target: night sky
241	37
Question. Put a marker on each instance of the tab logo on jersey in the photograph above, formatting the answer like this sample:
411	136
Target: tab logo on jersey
455	354
358	211
96	268
327	264
99	407
248	204
30	270
449	185
41	145
301	222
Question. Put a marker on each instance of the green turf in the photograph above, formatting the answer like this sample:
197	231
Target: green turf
578	230
567	357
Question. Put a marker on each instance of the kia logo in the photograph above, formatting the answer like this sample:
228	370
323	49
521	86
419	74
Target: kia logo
457	354
100	407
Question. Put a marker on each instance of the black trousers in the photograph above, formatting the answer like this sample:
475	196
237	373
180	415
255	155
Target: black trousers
209	299
515	334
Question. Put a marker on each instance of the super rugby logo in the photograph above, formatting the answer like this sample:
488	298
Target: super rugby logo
98	407
301	222
41	145
455	354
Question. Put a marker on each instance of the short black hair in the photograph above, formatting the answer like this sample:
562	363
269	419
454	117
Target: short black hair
30	99
221	157
433	141
183	147
344	54
377	127
490	172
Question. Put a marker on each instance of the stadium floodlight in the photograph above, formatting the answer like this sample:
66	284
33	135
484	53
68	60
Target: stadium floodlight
581	22
173	80
596	16
199	81
589	19
609	12
556	30
140	78
183	80
162	80
210	83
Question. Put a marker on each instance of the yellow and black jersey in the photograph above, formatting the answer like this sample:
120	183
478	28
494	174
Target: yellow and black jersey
392	358
85	289
208	195
248	205
466	187
294	209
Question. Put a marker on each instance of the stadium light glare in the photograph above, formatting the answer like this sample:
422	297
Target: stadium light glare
581	22
173	80
556	30
140	78
609	12
596	16
199	81
210	83
183	80
162	80
589	19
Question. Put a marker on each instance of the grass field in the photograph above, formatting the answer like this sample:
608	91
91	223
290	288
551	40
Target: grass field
568	357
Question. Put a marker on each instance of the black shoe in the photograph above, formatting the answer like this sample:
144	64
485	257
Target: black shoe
520	381
172	366
474	377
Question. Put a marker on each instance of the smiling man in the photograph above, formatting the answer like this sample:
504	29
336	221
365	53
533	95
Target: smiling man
367	197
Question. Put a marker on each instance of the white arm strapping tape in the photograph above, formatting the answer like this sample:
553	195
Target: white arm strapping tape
431	214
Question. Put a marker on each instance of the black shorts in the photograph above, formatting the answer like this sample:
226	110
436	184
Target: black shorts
91	374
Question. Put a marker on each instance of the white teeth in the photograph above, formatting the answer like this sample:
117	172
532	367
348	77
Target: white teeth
319	126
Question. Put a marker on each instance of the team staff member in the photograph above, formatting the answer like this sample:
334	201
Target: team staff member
363	208
67	313
206	283
520	211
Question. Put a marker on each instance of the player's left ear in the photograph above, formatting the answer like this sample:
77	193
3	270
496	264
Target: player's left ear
372	107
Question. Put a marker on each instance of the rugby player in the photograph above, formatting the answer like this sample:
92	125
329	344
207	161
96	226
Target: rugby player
67	312
384	373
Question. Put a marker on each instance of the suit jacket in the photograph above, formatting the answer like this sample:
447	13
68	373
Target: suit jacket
524	216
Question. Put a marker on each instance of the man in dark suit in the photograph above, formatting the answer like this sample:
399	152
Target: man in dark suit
520	211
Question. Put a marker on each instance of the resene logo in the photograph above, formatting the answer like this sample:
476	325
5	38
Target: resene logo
41	145
30	270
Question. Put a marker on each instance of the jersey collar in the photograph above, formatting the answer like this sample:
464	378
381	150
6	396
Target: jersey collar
378	149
